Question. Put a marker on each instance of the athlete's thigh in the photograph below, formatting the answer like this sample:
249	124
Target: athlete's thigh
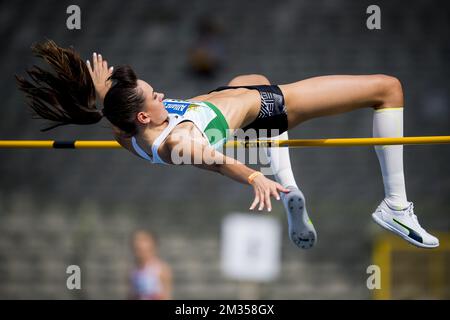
328	95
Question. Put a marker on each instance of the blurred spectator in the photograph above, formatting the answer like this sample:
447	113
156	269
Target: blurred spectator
206	55
152	277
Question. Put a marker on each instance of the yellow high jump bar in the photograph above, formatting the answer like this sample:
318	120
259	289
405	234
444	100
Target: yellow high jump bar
293	143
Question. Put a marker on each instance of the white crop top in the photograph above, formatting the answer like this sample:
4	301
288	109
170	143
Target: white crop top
205	116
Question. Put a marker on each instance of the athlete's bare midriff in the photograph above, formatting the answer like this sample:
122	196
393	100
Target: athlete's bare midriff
239	106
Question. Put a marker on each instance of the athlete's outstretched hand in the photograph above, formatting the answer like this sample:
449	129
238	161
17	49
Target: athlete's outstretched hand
264	189
100	73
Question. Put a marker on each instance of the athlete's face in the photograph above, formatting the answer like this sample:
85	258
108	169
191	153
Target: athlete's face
144	247
153	110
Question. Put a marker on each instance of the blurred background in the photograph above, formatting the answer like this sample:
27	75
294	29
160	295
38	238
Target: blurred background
82	207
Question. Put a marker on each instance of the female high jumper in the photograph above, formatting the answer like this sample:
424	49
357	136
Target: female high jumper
160	130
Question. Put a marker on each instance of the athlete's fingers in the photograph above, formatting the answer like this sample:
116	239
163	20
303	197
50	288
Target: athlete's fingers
261	200
88	64
94	60
110	72
99	60
257	199
105	64
255	202
275	194
282	189
268	202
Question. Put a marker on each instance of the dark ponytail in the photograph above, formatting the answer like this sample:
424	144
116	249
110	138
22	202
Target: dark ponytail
66	95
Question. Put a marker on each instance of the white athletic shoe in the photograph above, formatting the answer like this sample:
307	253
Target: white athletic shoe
405	224
301	229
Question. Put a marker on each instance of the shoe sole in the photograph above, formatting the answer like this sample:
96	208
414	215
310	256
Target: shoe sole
303	235
404	236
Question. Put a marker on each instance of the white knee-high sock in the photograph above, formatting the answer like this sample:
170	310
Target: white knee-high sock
388	122
280	163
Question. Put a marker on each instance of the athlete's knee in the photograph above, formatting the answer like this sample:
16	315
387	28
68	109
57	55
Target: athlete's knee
249	79
389	89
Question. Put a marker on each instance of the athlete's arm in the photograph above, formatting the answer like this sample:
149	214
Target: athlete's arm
188	151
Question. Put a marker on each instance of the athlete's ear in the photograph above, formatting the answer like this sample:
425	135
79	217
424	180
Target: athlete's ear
143	117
